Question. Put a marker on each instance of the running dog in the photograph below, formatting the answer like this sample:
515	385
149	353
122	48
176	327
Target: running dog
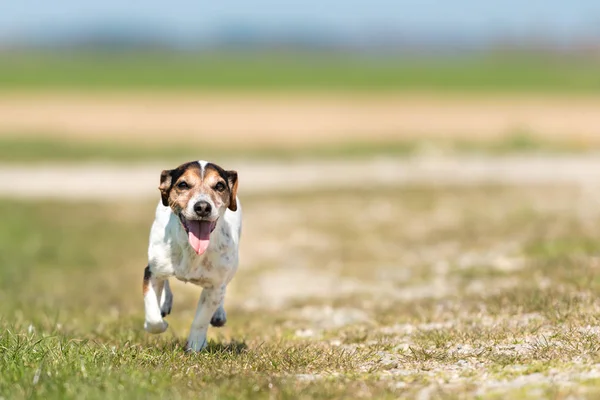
195	238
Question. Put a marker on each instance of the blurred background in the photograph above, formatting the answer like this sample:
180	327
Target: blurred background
272	79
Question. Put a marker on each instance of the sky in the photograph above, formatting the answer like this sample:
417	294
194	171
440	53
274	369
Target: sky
180	20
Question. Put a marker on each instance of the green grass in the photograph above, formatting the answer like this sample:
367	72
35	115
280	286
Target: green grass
42	149
297	71
29	148
484	292
54	365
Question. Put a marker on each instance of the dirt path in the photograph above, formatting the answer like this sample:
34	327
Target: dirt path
297	118
113	182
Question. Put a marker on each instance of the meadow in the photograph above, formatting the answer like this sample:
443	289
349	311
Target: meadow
300	71
41	149
488	292
410	291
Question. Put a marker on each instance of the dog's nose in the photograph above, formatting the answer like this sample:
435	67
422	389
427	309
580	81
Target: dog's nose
202	208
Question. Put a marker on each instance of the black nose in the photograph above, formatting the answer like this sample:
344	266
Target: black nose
202	208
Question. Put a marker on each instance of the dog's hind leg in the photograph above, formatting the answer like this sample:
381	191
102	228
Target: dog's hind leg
153	289
166	300
219	318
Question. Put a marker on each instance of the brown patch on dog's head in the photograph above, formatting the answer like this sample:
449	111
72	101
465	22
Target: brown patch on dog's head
222	185
175	184
179	185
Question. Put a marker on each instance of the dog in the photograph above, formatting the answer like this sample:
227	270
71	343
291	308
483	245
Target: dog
195	238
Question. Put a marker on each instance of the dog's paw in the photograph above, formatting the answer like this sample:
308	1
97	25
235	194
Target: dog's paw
164	311
219	318
196	343
166	303
156	327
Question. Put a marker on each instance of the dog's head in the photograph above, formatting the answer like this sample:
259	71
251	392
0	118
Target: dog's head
199	193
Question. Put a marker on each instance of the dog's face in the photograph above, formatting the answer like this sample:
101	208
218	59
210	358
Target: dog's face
199	193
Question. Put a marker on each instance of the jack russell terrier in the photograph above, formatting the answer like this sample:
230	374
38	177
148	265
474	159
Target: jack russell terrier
195	237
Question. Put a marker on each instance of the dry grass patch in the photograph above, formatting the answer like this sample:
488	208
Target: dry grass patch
453	293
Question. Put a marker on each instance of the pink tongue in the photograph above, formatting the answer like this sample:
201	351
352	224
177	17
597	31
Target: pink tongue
199	235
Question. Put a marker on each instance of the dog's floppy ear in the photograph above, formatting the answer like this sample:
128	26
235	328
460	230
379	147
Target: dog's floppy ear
232	181
166	180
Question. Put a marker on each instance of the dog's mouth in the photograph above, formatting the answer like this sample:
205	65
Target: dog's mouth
198	232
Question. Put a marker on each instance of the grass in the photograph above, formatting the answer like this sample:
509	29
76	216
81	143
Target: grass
71	368
35	149
487	292
44	149
298	71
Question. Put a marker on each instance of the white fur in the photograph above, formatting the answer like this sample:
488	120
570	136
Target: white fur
169	254
202	166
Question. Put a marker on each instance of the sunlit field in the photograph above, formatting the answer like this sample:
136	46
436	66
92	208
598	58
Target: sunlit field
289	70
403	285
483	291
15	149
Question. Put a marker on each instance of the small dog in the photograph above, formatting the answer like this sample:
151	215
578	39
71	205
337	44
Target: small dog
195	237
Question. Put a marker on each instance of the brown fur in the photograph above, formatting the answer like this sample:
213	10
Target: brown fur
214	174
146	283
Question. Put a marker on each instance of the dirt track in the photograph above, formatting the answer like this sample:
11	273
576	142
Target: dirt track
299	118
119	182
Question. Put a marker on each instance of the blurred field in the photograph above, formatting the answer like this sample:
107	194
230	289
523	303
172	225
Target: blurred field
81	126
485	291
122	106
267	71
45	149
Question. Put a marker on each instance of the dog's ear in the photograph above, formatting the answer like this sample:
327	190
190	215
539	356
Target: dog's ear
166	180
232	181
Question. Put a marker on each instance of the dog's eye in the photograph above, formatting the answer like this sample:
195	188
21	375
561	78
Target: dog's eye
183	185
219	187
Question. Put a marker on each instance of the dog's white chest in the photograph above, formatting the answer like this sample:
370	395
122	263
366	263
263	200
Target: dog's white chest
172	255
207	271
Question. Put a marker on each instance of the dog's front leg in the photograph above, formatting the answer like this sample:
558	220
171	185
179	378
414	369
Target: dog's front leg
153	290
210	299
